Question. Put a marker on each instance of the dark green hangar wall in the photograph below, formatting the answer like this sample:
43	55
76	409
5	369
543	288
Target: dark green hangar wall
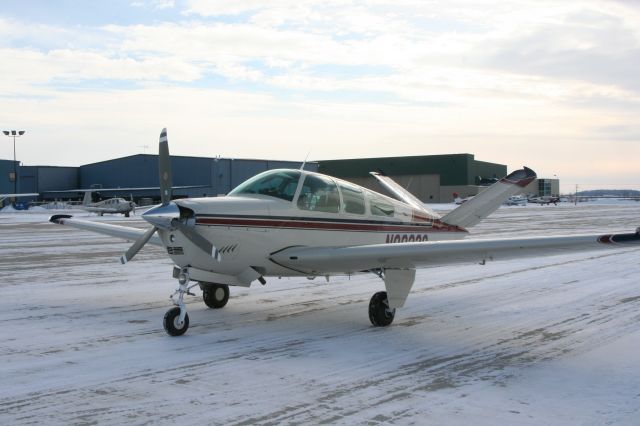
431	178
454	169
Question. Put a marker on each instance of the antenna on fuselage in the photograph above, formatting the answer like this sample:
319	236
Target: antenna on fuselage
305	161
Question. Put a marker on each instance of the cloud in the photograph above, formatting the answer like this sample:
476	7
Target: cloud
522	79
155	4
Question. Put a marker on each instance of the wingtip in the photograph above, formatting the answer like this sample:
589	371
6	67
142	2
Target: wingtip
59	218
522	177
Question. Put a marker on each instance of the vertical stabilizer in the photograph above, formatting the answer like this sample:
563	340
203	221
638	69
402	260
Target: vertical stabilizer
486	202
87	198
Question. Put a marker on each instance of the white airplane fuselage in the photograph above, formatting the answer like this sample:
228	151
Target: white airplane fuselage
244	228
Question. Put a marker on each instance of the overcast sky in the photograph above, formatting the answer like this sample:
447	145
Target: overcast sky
549	84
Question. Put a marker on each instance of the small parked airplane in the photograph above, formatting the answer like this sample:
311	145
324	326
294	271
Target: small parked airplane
114	205
546	199
299	223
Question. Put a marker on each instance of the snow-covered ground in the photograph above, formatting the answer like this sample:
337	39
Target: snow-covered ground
553	340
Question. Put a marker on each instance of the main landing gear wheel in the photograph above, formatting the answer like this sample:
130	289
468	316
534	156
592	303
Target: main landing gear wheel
379	312
215	296
172	324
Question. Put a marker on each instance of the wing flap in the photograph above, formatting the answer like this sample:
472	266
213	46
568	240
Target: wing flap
321	260
118	231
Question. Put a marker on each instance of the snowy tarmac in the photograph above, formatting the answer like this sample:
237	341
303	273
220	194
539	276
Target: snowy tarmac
553	340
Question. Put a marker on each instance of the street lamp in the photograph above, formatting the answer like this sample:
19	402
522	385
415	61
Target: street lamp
14	134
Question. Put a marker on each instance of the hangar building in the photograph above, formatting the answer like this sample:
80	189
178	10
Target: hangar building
431	178
208	176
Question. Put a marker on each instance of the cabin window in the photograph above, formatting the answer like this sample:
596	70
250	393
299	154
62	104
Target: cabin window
380	205
352	198
319	193
274	183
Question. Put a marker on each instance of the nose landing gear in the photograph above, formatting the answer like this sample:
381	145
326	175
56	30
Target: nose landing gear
176	319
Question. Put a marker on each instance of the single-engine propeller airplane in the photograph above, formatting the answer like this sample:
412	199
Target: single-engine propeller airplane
299	223
115	205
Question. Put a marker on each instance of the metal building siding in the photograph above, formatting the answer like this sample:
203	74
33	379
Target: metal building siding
452	168
142	171
6	186
27	179
134	171
221	176
46	178
189	170
216	175
488	170
56	178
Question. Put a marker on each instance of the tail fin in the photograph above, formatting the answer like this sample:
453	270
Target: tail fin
482	205
87	198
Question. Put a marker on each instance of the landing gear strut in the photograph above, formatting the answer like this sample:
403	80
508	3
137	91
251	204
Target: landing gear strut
215	296
176	320
379	312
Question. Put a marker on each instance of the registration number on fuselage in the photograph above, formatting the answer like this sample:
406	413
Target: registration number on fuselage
406	238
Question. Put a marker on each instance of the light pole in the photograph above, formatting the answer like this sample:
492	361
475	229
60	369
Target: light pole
14	134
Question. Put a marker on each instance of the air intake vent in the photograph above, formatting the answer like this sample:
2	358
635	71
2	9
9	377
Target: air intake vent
179	251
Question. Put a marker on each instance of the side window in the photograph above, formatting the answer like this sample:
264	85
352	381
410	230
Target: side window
274	183
319	194
352	198
380	206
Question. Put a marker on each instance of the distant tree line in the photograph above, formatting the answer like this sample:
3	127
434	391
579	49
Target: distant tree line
621	193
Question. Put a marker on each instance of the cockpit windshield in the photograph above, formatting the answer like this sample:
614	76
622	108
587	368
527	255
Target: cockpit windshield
274	183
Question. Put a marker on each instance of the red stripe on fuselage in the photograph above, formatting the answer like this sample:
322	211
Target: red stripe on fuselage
315	225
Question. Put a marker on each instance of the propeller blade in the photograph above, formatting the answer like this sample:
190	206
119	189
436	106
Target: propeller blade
198	240
164	167
137	245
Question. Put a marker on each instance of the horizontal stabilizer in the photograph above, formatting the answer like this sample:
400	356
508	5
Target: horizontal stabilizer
486	202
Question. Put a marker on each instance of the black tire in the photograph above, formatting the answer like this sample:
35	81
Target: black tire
126	214
170	322
379	312
215	296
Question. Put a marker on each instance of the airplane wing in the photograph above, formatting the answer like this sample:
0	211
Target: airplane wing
33	194
118	231
401	193
322	260
148	188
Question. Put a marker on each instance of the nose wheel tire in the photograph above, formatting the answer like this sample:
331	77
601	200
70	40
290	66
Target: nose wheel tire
379	312
215	296
172	324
